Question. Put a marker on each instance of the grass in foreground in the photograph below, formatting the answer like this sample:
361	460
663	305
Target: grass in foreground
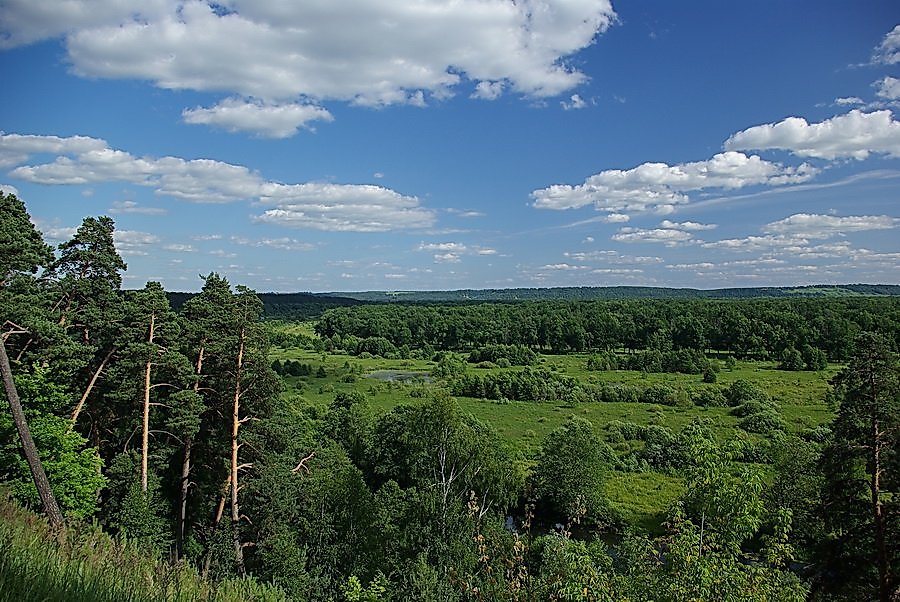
82	563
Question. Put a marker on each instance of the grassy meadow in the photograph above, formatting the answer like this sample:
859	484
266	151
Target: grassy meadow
642	497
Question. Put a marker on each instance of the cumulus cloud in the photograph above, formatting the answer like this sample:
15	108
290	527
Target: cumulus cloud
9	189
813	226
689	226
179	248
888	51
610	256
666	236
617	218
793	235
660	187
337	207
341	207
121	207
849	101
852	135
452	252
368	52
669	233
264	119
575	102
283	244
134	242
888	88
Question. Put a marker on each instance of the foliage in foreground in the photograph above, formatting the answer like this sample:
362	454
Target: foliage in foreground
83	563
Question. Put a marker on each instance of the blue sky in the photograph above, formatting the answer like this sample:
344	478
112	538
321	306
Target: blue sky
381	145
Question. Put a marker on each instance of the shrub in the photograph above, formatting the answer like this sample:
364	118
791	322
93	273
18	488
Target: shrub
660	394
764	423
709	397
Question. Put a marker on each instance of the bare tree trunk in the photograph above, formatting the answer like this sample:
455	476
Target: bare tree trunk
235	426
884	585
90	387
51	508
186	471
145	434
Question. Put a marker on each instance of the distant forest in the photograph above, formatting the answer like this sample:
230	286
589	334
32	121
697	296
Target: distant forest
308	306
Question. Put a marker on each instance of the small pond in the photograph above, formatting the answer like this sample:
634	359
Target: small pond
399	375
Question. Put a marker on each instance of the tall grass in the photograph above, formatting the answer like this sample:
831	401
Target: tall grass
82	563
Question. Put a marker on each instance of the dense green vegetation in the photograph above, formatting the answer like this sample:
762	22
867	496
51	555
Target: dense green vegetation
639	450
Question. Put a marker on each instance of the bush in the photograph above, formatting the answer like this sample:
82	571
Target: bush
742	391
660	394
764	423
709	397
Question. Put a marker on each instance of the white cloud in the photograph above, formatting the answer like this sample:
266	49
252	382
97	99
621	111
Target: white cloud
888	88
563	267
283	244
265	119
26	21
442	246
465	212
179	248
369	52
121	207
57	234
16	148
666	236
888	51
9	189
488	90
333	207
703	265
815	226
756	243
612	257
616	218
575	102
668	233
849	101
689	226
620	271
451	252
660	187
341	207
852	135
134	242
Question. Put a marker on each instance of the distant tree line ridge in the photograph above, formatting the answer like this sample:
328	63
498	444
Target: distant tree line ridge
745	328
620	292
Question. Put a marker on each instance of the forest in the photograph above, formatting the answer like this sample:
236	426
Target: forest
637	449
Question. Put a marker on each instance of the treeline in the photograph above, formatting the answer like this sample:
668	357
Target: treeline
283	306
585	293
745	328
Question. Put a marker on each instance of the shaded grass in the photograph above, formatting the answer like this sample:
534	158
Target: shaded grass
81	563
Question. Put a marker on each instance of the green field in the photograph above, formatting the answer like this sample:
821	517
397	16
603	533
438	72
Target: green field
642	497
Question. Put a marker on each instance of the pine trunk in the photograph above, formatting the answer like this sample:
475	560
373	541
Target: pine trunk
145	433
89	388
51	508
235	426
186	472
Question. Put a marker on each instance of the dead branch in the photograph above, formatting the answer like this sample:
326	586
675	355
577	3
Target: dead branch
302	463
